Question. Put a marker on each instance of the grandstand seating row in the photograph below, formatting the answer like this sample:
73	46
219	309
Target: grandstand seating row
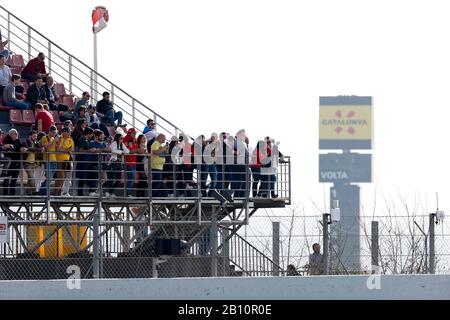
16	63
28	118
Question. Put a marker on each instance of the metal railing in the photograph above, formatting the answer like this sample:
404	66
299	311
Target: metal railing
248	259
76	75
95	175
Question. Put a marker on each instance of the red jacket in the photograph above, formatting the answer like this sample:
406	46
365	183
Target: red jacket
130	160
34	66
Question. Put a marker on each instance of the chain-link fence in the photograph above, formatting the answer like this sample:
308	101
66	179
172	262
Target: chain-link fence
387	244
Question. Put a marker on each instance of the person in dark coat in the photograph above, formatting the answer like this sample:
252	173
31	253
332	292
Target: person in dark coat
14	149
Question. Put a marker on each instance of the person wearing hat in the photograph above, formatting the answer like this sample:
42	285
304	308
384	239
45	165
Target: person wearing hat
66	148
82	158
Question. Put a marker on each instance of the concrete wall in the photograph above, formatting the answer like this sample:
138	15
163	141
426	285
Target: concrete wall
336	287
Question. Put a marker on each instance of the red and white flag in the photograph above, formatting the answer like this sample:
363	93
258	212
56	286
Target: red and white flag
100	17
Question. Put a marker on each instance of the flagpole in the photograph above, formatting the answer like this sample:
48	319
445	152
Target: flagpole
94	93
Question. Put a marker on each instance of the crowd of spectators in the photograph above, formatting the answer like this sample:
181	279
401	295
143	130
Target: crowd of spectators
86	149
85	153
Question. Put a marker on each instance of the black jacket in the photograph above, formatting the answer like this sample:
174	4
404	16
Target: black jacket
14	153
34	94
104	106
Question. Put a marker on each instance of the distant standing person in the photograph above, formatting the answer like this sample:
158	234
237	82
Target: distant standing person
35	68
44	119
316	264
150	132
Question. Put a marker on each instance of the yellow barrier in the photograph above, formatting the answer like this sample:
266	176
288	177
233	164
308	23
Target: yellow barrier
67	240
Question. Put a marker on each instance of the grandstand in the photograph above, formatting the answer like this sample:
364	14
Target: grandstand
194	233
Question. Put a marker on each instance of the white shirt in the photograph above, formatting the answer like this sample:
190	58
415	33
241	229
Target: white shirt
5	75
116	152
150	135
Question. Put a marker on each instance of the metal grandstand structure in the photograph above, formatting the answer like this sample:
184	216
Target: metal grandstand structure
103	235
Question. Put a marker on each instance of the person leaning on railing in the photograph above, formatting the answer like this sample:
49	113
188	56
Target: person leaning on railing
5	162
15	148
97	163
211	168
141	160
257	157
115	165
64	157
78	132
50	143
31	163
82	158
130	160
158	151
169	169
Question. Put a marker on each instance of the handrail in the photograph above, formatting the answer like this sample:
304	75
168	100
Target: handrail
92	72
254	254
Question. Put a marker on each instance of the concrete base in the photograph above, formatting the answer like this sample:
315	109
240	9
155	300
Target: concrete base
421	287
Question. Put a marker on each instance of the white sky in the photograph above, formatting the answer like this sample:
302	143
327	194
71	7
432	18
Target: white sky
262	65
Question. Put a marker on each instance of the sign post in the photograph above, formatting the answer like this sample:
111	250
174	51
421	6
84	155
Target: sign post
345	123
